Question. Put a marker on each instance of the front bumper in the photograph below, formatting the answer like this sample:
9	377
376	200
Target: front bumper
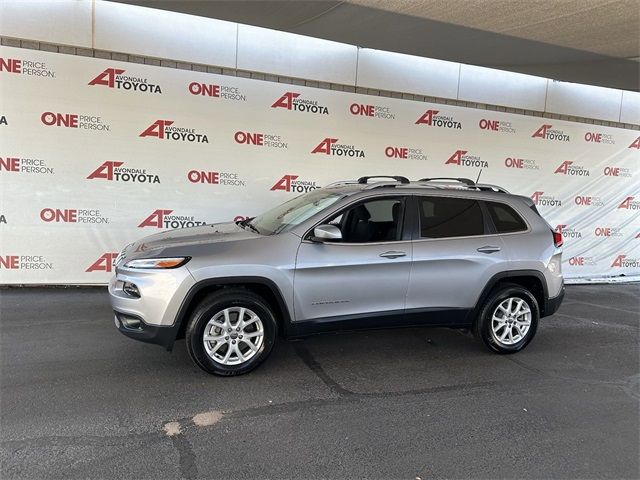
143	332
551	305
154	312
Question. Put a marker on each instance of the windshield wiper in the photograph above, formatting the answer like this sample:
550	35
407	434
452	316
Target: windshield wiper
245	223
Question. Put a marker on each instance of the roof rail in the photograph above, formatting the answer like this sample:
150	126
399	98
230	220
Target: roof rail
397	178
466	181
491	188
341	182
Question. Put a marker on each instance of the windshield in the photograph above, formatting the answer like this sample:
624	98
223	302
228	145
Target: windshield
292	213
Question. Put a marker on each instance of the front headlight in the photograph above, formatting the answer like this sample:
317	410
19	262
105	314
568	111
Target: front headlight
171	262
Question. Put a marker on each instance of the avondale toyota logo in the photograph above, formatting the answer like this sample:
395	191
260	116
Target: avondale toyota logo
539	198
330	146
568	168
164	219
163	129
432	119
568	232
635	144
104	263
114	171
630	204
547	133
622	261
294	101
30	68
114	78
461	158
25	165
290	183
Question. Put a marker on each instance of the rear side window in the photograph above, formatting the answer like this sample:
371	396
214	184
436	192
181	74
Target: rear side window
505	218
442	217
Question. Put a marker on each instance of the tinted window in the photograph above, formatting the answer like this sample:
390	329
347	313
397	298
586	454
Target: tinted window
505	218
450	217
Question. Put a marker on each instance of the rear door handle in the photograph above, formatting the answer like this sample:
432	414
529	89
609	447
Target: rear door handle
488	249
393	254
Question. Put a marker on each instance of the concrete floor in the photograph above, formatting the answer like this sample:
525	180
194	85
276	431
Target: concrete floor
79	400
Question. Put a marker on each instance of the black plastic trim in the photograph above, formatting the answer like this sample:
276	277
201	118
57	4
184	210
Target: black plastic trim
493	281
553	304
432	317
159	335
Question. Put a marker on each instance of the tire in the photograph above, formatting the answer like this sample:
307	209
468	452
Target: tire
224	351
494	332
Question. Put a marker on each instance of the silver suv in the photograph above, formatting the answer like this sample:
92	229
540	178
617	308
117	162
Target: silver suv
355	254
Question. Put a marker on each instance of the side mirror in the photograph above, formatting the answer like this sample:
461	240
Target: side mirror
326	233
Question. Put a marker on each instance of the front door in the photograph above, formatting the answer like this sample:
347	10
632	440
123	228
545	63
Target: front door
364	276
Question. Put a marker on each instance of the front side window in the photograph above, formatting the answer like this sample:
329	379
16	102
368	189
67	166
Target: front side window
505	218
442	217
373	221
292	213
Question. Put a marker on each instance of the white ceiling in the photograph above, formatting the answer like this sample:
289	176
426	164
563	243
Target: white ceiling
587	41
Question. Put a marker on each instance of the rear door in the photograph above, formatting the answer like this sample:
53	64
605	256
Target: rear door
455	253
363	276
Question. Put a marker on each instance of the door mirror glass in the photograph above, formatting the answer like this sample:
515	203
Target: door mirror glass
323	233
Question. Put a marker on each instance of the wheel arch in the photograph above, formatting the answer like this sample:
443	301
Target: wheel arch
262	286
532	280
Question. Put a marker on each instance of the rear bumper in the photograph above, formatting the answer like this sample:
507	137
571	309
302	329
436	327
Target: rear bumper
144	332
551	305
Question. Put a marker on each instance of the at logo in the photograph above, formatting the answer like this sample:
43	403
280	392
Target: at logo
456	158
284	183
156	129
545	132
325	146
635	144
290	183
285	101
107	77
630	204
103	264
105	170
156	219
431	118
427	117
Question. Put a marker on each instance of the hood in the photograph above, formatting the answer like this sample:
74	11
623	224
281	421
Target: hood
214	233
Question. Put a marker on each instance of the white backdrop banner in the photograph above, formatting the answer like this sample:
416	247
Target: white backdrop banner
95	154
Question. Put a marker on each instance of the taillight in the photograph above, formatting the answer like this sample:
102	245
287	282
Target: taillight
557	238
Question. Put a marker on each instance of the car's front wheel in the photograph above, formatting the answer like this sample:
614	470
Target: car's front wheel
231	332
508	320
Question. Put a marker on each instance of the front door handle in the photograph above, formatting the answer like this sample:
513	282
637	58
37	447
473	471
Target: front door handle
393	254
488	249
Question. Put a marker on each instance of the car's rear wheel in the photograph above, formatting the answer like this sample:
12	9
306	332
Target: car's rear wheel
508	319
231	332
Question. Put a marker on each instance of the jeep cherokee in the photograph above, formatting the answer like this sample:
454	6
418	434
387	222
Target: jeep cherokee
355	254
